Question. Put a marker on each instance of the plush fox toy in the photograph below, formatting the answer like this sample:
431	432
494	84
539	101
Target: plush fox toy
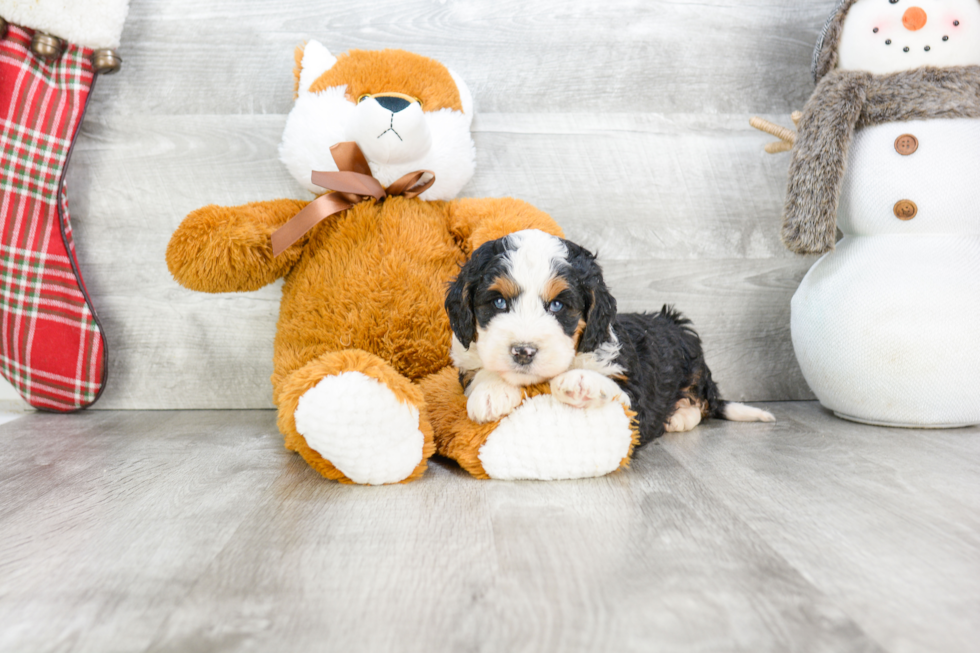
366	268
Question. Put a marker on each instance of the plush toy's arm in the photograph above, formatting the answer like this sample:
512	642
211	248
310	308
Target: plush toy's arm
227	249
477	221
819	161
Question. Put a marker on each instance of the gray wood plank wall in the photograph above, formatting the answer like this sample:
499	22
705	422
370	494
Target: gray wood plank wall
627	120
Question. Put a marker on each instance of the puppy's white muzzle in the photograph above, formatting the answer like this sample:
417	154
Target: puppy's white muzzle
525	349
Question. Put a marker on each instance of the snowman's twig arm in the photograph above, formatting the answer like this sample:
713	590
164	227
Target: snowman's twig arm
772	128
778	147
787	137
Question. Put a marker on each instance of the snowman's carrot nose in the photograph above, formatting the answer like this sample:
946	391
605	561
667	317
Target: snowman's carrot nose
914	19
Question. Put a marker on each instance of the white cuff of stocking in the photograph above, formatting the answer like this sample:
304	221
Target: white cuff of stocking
89	23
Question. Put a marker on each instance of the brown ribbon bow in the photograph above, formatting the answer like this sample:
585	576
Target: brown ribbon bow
352	185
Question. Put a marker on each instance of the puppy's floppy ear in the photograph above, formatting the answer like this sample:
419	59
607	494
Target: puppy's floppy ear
601	305
459	298
459	306
599	319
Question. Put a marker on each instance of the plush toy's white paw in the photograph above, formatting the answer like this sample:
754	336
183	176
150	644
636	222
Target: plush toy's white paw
586	389
492	399
545	440
361	427
685	418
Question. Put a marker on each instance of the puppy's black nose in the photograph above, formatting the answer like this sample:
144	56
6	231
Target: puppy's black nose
393	104
523	354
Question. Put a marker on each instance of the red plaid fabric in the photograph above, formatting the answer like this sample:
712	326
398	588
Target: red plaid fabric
52	348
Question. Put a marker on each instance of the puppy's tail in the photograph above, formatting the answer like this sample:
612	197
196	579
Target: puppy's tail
736	412
705	388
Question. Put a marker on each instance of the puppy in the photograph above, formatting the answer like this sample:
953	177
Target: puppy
530	307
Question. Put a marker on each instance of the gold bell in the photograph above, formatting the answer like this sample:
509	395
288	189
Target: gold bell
106	62
47	46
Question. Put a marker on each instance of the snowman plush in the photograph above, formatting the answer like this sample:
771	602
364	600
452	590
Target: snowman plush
886	325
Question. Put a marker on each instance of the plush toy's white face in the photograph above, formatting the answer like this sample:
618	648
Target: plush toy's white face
405	112
887	36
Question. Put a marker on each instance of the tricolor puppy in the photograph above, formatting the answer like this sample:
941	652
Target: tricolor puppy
530	307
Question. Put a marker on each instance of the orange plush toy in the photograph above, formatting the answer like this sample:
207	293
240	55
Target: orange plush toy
362	316
363	341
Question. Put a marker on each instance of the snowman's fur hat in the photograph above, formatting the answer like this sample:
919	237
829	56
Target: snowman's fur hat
825	54
406	112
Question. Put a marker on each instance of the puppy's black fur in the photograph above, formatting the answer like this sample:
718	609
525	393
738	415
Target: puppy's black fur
664	365
660	352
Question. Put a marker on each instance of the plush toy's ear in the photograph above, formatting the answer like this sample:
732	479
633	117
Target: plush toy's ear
465	97
601	309
315	61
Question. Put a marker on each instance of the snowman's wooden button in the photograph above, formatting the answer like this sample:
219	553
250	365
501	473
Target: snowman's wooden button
906	144
906	209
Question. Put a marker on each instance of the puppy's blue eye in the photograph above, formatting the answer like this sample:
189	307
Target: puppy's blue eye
555	306
500	304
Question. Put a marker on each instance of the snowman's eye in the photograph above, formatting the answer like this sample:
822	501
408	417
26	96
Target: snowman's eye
894	2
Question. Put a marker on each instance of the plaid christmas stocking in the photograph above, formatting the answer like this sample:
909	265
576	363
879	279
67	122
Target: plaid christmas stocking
52	348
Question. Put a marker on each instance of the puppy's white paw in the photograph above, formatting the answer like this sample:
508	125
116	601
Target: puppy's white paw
685	418
736	412
492	400
586	389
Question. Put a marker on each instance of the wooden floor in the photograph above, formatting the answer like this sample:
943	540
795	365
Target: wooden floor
196	531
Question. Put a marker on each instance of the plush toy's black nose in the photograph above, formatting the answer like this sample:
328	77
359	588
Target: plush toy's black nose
523	354
393	104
